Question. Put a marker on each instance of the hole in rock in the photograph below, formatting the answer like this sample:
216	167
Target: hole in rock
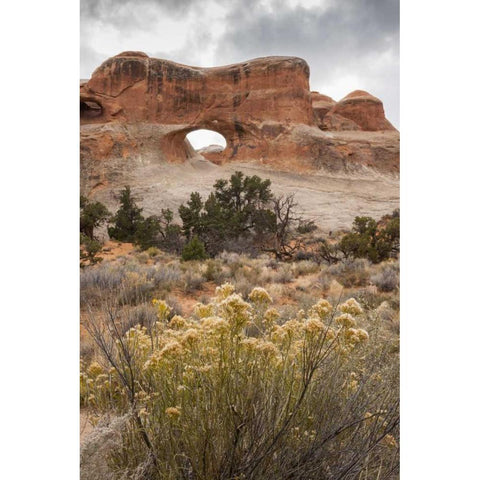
207	141
90	109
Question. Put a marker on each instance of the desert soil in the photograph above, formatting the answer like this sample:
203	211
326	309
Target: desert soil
332	201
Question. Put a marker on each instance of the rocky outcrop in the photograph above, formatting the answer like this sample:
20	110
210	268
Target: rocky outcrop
321	105
136	110
357	111
248	103
214	153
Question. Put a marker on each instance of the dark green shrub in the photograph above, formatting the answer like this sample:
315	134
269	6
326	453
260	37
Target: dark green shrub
392	232
237	209
159	231
327	251
147	233
92	215
171	239
376	241
127	219
194	250
89	248
355	245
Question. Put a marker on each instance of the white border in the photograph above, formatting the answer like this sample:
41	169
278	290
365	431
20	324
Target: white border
39	239
440	267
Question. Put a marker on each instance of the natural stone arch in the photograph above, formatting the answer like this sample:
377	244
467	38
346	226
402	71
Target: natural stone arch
262	107
249	104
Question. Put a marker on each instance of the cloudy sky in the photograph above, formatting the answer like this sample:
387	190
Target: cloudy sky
349	44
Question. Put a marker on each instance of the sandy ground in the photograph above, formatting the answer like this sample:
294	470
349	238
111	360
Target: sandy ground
331	201
85	426
113	249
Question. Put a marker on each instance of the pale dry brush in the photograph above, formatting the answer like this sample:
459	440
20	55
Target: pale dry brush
210	402
388	278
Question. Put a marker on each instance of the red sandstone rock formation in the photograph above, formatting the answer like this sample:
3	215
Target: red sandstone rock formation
249	103
321	104
138	110
213	153
361	108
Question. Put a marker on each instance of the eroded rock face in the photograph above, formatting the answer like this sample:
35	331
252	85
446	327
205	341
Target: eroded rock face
321	105
248	103
358	110
137	110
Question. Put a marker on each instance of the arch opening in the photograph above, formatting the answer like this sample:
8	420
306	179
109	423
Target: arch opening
207	141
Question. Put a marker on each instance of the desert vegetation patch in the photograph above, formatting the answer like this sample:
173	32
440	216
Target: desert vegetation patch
235	339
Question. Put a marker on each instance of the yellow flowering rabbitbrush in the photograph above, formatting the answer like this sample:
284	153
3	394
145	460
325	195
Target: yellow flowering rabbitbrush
206	383
321	309
173	412
163	310
351	306
260	296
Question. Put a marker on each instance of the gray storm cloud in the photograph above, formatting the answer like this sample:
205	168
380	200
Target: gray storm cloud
359	38
122	12
344	42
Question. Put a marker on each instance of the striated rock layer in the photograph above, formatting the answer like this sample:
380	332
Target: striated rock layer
360	110
137	110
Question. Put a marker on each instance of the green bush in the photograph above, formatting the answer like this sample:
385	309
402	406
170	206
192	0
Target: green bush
147	233
92	215
194	250
240	214
89	248
237	210
159	231
376	241
127	219
171	239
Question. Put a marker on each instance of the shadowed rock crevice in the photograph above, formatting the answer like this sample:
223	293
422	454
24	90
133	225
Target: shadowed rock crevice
90	109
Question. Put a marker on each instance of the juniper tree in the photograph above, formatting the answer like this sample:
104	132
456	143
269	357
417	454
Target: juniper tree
127	219
92	215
